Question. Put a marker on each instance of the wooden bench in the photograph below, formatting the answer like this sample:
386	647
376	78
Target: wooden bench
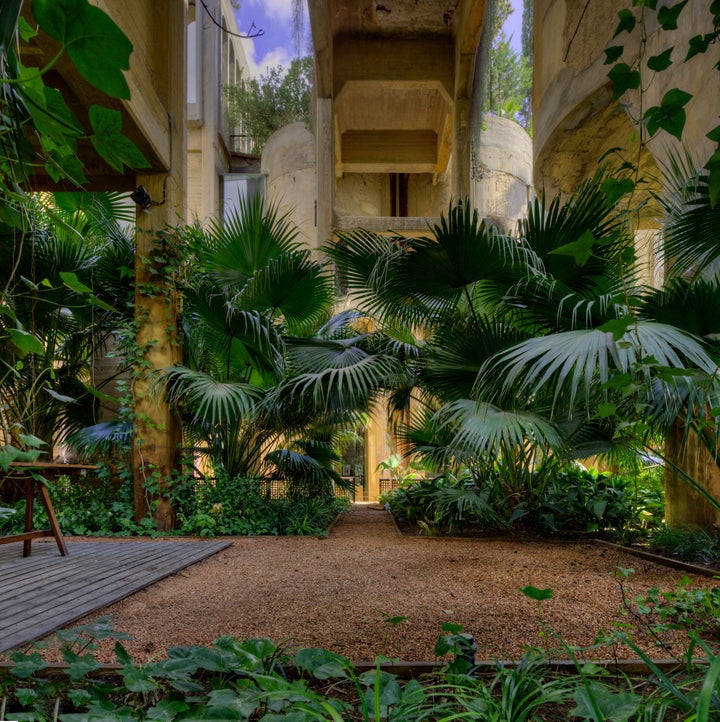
27	479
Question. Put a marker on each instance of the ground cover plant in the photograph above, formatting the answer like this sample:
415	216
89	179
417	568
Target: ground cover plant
571	500
257	680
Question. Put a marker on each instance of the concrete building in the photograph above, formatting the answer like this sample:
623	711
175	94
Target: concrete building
219	166
392	141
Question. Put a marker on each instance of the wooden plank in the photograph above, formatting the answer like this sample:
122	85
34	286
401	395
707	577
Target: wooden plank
95	584
98	572
45	592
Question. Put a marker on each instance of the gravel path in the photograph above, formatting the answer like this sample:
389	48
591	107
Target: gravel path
336	592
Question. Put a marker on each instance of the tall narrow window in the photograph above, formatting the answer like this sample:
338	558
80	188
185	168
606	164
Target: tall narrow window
399	194
194	64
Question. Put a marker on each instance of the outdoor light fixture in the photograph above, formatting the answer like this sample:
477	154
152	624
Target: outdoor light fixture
141	196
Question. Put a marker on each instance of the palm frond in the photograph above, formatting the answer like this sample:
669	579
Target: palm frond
293	286
584	359
691	237
246	240
481	429
209	400
337	374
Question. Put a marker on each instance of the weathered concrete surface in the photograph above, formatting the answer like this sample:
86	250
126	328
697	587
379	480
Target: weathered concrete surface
288	162
502	172
575	120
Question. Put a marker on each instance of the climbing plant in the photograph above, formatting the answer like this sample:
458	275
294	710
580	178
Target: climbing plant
637	72
40	133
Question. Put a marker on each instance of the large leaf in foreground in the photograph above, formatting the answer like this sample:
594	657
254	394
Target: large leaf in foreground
580	359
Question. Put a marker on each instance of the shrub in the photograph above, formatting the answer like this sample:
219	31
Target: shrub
691	544
447	504
237	506
578	500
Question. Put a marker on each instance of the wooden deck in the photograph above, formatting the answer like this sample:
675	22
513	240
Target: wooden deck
44	592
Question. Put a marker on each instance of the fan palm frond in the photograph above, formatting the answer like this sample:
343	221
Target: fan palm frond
585	358
210	400
293	286
691	236
246	240
337	374
482	429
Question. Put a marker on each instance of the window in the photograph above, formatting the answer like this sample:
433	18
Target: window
237	186
194	65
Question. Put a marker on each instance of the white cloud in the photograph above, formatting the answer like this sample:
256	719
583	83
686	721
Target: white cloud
279	10
272	58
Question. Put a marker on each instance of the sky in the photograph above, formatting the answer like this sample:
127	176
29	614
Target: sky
277	47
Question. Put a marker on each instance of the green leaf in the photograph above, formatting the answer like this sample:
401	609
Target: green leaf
167	711
136	680
713	166
322	663
675	97
652	4
668	16
613	53
615	189
110	143
660	62
79	697
66	166
618	326
606	410
627	22
25	696
613	706
539	595
79	667
580	250
25	341
70	280
699	44
451	628
669	115
25	665
97	46
9	12
31	440
26	32
714	134
623	78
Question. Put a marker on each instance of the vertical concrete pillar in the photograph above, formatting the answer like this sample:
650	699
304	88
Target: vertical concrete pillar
461	149
156	432
325	169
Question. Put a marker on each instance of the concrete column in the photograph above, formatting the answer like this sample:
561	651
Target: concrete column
156	433
325	169
461	149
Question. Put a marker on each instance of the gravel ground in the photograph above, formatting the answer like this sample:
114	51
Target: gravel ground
336	593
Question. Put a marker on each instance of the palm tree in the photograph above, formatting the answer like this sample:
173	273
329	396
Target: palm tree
270	375
62	292
533	348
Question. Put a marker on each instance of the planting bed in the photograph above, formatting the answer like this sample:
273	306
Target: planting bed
337	593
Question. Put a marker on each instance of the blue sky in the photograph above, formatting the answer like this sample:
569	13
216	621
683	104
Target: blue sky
277	47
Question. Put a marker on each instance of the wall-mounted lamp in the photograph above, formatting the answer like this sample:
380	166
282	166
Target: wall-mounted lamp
141	196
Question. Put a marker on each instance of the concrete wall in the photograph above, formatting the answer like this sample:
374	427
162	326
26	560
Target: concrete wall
575	121
208	133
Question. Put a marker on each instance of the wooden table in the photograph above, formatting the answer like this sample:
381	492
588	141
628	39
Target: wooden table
29	477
